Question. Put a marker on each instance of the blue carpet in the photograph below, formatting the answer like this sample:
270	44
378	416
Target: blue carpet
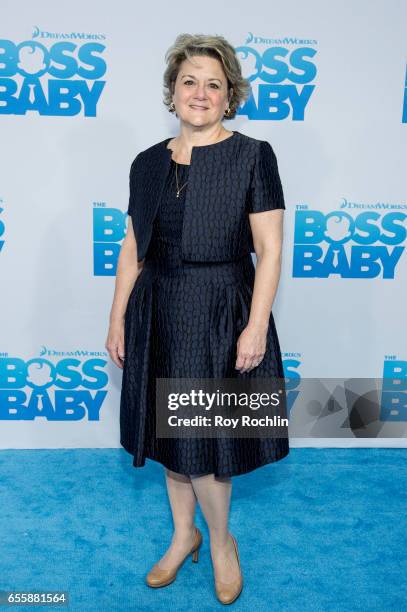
320	530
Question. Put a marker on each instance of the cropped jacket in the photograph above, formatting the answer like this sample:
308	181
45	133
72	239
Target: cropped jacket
227	181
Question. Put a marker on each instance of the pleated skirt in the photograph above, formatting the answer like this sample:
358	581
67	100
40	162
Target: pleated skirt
184	322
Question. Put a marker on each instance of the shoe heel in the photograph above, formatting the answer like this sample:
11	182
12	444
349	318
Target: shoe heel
195	555
195	552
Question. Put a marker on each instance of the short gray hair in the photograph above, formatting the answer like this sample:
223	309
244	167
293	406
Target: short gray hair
188	45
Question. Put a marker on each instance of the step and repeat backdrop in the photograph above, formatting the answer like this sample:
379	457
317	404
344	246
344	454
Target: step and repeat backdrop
81	93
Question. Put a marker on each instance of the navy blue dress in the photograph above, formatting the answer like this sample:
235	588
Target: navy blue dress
181	321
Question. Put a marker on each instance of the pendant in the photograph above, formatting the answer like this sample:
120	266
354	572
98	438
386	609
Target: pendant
177	194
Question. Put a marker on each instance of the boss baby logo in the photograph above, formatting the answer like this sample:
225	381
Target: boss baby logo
63	79
291	365
394	390
109	229
70	390
365	245
281	76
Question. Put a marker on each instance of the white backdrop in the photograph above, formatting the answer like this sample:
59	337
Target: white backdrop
64	189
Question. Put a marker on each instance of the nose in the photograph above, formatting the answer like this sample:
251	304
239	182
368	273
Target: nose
200	92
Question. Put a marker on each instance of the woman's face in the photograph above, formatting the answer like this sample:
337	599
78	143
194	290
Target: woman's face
201	95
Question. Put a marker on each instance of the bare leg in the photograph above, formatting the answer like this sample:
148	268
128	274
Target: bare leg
183	503
214	499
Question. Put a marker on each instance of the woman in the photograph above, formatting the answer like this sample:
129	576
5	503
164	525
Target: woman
200	203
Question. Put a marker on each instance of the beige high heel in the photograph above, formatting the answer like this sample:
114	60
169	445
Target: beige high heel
228	592
158	577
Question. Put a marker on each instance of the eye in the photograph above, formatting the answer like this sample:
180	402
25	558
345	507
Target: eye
188	81
215	85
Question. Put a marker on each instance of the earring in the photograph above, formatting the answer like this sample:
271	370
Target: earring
227	112
172	107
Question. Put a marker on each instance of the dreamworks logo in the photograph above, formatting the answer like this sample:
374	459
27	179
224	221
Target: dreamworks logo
38	33
371	206
287	40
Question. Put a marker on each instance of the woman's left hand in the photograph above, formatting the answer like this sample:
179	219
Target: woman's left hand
251	347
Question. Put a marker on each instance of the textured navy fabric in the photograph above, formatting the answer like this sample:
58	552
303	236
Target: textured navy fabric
227	180
183	320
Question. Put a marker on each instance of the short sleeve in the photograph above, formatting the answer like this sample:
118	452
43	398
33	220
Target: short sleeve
266	191
132	186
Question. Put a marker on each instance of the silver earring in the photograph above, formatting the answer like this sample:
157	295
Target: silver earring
172	107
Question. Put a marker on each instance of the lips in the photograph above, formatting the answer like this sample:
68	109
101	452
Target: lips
198	107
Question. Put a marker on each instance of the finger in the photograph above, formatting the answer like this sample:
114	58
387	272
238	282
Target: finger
246	362
240	361
119	363
120	358
120	350
249	366
254	362
115	358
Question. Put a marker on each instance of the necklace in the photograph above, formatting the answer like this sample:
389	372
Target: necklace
176	176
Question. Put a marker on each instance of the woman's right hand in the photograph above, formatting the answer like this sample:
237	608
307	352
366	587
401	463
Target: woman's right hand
115	343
